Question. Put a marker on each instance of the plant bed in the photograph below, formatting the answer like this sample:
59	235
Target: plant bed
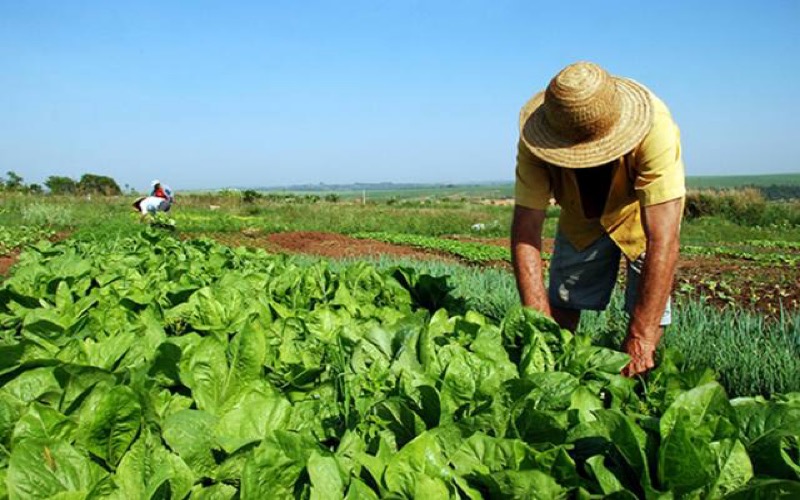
249	375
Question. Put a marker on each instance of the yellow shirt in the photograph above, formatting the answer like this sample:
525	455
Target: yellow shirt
650	174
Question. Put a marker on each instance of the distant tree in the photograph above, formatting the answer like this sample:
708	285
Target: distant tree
98	184
14	181
61	185
251	195
34	188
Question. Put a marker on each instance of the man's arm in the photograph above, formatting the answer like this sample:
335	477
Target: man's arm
526	257
662	228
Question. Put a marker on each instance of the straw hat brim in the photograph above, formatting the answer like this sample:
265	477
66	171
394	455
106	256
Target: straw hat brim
635	119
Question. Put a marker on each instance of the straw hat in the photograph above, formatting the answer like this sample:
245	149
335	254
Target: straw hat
586	117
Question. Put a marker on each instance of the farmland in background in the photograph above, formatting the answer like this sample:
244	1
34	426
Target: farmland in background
735	265
500	190
739	181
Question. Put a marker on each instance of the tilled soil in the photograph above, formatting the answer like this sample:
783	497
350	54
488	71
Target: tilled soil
330	245
6	261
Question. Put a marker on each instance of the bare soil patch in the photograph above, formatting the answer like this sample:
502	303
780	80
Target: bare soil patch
7	261
330	245
740	284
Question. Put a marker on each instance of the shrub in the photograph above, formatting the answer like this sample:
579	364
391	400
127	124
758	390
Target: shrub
742	206
251	195
254	210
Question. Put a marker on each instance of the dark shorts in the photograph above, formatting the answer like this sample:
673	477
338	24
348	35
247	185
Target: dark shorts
585	279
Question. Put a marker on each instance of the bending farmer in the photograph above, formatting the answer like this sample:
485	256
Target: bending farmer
149	205
608	151
159	190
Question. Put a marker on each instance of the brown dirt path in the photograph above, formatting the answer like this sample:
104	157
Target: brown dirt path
330	245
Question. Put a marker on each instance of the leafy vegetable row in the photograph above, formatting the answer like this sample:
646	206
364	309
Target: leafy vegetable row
153	368
770	258
790	245
19	236
467	250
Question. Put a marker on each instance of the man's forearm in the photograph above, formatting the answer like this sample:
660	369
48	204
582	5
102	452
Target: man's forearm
662	226
655	286
526	257
527	262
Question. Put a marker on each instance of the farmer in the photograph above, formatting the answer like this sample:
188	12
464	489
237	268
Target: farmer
149	205
162	191
608	151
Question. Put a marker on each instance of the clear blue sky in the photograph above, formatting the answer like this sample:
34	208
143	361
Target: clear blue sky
213	94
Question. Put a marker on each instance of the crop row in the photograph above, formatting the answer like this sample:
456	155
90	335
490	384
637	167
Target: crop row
788	245
765	258
19	236
155	368
466	250
480	252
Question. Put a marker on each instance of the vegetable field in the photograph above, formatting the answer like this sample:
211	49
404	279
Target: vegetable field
150	367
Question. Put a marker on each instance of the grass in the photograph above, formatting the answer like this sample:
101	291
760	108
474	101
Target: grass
736	181
43	214
384	192
193	215
716	230
381	192
394	192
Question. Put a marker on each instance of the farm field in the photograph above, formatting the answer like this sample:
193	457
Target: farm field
334	350
499	190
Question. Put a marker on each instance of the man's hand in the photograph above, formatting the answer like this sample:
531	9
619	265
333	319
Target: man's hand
662	227
641	348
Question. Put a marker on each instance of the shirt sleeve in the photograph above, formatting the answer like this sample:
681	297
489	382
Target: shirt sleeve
660	176
532	188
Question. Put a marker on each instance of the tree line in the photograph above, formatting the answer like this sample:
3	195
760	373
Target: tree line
57	184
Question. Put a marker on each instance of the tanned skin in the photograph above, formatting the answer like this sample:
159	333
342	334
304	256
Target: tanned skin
526	257
662	229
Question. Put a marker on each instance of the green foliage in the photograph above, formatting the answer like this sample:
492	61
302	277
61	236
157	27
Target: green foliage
752	355
61	185
251	196
16	237
98	184
469	251
155	368
742	206
781	192
742	181
44	214
774	244
13	181
716	230
766	258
